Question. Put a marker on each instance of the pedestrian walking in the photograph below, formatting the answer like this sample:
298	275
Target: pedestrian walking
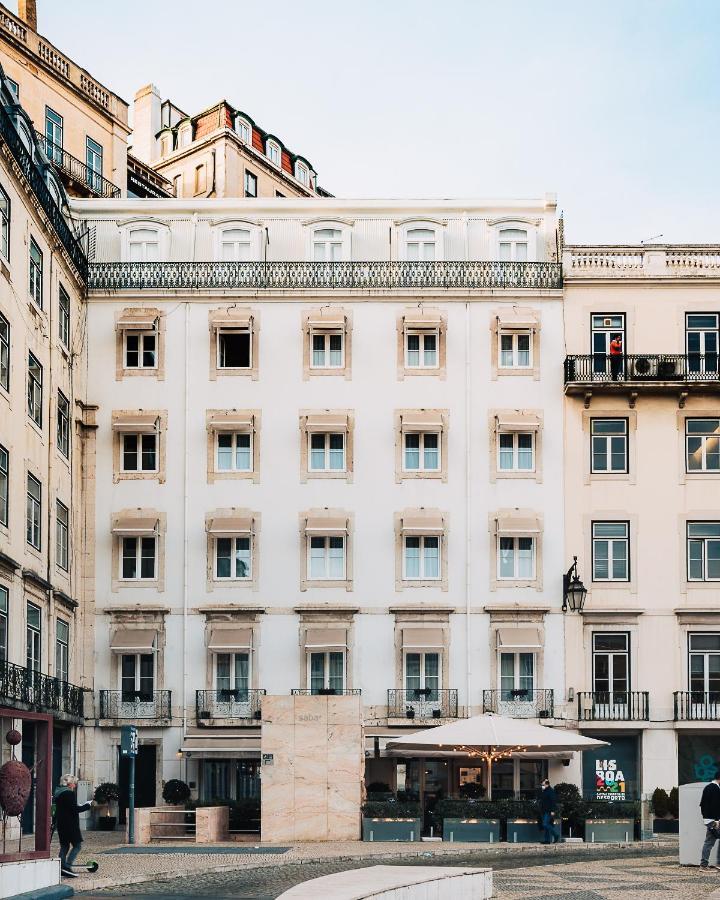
67	822
616	357
710	810
548	811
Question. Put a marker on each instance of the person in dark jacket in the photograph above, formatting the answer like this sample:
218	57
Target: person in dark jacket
710	810
67	822
548	809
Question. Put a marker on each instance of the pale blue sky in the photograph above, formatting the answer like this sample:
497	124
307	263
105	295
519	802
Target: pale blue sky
613	105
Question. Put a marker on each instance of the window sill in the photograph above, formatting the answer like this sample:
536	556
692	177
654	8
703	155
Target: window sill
312	476
344	585
502	473
142	373
414	476
139	476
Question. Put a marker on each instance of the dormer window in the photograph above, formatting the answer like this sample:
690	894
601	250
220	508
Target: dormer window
144	245
243	129
302	173
272	149
185	135
327	245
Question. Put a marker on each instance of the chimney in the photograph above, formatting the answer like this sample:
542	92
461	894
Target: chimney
27	11
146	123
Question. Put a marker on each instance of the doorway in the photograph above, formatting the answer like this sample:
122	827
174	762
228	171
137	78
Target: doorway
145	774
27	755
605	326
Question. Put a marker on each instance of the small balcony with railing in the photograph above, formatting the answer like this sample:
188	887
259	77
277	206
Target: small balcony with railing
326	692
79	179
696	706
138	707
26	689
422	704
520	703
613	706
231	706
674	373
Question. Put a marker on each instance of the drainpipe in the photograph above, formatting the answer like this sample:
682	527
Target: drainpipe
212	184
49	543
468	502
186	474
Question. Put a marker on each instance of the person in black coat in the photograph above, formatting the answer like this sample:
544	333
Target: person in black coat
710	810
67	822
548	809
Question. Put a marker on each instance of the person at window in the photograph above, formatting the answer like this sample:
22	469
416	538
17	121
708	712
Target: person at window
710	810
548	808
67	822
616	358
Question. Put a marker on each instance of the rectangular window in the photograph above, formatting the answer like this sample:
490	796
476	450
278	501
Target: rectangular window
704	667
232	676
235	245
64	320
611	551
421	451
62	650
137	561
62	536
54	135
515	350
144	245
327	350
516	558
611	667
36	273
137	677
326	558
35	390
273	153
420	244
4	598
200	179
63	425
422	675
609	445
703	551
234	349
250	184
140	350
513	245
4	353
177	185
516	452
327	671
327	245
33	646
14	87
139	453
233	558
517	676
327	452
234	452
4	224
606	328
421	558
33	512
702	441
702	331
4	485
421	349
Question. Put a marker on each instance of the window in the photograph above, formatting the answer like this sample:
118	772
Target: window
515	350
94	163
233	558
701	337
327	350
609	445
4	597
140	350
250	184
200	179
35	381
62	650
327	245
516	559
234	452
234	349
144	245
420	244
137	677
327	452
4	353
177	185
302	173
421	451
327	671
605	328
704	667
516	452
139	452
702	440
185	136
33	646
610	551
243	129
232	676
703	551
14	87
64	320
611	667
4	224
36	273
513	244
235	245
517	676
421	557
138	558
421	349
63	425
33	512
54	135
422	675
326	558
62	536
4	485
272	149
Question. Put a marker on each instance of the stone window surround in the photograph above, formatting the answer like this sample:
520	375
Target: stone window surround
630	415
216	619
419	619
306	474
219	584
682	416
121	620
214	327
686	585
212	433
308	330
117	438
516	618
402	584
599	624
399	414
500	584
156	584
120	369
305	582
320	620
496	329
612	515
414	312
494	429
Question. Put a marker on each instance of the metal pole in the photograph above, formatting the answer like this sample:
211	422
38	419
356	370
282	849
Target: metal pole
131	802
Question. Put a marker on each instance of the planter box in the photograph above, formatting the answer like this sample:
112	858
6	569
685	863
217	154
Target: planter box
598	831
666	826
391	829
468	830
523	831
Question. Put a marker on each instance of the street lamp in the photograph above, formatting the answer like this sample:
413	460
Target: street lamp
574	591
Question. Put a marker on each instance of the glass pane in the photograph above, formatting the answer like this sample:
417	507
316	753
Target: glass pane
243	455
507	675
704	529
430	350
601	566
317	452
525	557
506	350
223	554
318	344
130	454
431	456
224	453
129	557
525	452
147	562
412	671
336	671
222	668
507	557
713	559
695	560
242	557
412	452
148	453
610	641
412	557
705	642
609	529
336	350
506	454
599	454
317	557
432	557
317	672
336	568
618	454
620	567
337	452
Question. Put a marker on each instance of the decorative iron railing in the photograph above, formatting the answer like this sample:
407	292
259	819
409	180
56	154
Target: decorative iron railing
326	692
521	703
31	172
114	276
613	706
77	170
135	705
40	692
696	706
423	703
642	368
228	704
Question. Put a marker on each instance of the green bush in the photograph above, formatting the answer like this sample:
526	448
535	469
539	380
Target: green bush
486	809
612	809
107	792
391	809
175	791
674	803
660	802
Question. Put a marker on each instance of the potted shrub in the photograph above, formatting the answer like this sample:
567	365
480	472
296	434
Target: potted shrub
470	820
106	796
665	811
175	792
391	820
611	821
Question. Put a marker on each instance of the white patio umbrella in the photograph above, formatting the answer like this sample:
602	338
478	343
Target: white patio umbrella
490	738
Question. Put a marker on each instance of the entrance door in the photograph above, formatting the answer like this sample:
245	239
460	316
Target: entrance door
27	754
422	683
145	772
611	675
605	326
701	340
434	788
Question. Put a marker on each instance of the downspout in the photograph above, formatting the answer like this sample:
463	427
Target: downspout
50	545
212	185
468	500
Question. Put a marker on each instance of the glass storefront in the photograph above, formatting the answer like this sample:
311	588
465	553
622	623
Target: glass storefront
697	757
229	779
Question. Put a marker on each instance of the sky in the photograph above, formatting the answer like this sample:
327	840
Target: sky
614	105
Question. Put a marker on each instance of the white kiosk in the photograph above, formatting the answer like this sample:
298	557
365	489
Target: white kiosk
692	830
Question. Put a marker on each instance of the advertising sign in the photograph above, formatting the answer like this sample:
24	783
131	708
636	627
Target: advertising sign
128	741
611	773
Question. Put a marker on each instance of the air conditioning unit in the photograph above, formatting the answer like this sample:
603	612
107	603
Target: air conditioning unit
643	366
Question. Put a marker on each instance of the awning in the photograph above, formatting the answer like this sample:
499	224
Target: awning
231	318
518	422
134	640
417	319
422	638
230	526
421	420
325	639
423	523
326	525
135	525
137	320
513	319
518	525
330	319
230	639
140	423
223	746
518	638
231	421
326	422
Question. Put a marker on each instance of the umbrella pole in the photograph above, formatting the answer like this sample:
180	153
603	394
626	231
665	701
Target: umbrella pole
489	776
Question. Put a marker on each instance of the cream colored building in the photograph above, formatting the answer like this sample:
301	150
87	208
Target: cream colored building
642	506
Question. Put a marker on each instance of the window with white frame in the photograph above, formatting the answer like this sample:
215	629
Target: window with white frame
35	389
327	245
421	557
421	349
515	349
517	675
4	224
232	675
234	451
328	349
243	129
516	451
139	452
63	424
513	244
62	650
273	152
420	244
421	451
138	558
4	353
64	318
144	245
326	452
326	671
94	163
140	349
326	558
33	514
611	551
250	184
704	667
422	674
137	677
36	273
4	597
609	445
185	135
302	173
703	551
516	558
233	558
234	348
235	245
4	485
62	536
702	441
33	638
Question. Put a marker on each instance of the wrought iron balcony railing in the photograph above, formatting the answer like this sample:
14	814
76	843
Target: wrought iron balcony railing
40	692
522	703
135	705
470	274
642	368
326	692
617	706
228	704
696	706
76	170
423	703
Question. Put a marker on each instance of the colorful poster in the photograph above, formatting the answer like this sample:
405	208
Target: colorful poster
611	773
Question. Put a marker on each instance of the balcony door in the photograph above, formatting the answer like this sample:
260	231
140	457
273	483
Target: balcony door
422	683
232	685
611	675
701	342
54	135
704	673
517	683
604	327
137	686
326	672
